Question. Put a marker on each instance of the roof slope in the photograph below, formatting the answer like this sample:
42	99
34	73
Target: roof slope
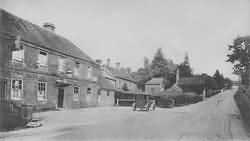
105	84
13	25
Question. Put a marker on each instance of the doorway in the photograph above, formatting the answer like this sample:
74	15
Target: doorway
60	97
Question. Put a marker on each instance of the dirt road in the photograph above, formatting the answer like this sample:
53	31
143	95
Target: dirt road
216	118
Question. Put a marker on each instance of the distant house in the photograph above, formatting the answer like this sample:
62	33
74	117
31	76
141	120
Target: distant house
192	84
155	85
41	68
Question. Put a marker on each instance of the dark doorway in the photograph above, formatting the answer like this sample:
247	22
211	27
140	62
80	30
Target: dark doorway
60	97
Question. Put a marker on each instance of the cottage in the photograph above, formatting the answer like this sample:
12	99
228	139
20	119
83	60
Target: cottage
39	67
155	85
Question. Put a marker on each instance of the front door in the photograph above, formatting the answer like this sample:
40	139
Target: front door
60	97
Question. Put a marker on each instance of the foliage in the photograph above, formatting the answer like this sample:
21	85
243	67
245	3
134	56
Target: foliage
125	87
184	68
219	78
240	57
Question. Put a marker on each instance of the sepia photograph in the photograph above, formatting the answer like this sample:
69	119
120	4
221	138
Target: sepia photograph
124	70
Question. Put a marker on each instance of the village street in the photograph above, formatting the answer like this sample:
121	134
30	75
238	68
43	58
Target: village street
217	118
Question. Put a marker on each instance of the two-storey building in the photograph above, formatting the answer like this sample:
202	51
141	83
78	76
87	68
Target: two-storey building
40	67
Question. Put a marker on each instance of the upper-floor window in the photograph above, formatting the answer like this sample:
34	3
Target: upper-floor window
18	54
89	73
16	89
76	93
61	64
43	58
76	69
42	91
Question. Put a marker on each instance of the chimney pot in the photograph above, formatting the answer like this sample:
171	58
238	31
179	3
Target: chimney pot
117	65
49	26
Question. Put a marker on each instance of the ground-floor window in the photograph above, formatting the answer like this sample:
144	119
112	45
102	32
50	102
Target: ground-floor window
108	93
42	91
76	93
16	89
89	90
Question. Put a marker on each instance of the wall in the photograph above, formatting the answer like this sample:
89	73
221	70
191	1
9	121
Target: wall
30	72
157	88
106	98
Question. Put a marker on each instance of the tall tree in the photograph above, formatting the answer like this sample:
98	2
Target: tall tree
159	64
239	56
159	68
219	78
184	68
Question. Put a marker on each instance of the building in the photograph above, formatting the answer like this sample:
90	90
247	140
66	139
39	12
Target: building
39	67
155	85
107	82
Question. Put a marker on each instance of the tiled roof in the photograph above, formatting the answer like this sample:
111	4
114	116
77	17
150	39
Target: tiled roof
14	26
105	84
155	81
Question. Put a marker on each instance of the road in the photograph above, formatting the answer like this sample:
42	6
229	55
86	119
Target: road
216	118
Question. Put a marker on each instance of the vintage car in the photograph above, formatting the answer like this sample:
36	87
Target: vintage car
143	103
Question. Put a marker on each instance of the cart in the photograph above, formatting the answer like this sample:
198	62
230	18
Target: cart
143	103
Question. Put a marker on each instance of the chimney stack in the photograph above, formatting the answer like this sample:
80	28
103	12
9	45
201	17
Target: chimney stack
49	26
117	65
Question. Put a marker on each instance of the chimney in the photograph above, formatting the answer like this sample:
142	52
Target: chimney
49	26
117	65
98	61
108	62
177	76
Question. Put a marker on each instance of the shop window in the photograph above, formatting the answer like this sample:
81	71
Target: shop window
16	89
76	93
42	91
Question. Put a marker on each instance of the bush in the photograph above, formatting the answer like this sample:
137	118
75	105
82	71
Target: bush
242	100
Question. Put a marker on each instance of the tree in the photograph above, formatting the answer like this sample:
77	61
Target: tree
125	87
240	58
228	83
184	68
219	78
159	64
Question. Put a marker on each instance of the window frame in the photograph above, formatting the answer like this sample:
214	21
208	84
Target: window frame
76	96
47	58
12	97
16	59
89	90
45	95
61	64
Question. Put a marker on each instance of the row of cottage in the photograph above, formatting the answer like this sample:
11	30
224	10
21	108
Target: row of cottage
39	67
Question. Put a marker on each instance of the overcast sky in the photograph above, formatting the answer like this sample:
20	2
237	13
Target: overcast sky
128	30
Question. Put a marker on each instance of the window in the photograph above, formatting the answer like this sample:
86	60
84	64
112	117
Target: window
43	58
76	69
18	55
108	93
89	73
42	91
61	65
16	89
89	91
76	93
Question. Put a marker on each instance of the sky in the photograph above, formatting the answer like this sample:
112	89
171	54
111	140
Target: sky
126	31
